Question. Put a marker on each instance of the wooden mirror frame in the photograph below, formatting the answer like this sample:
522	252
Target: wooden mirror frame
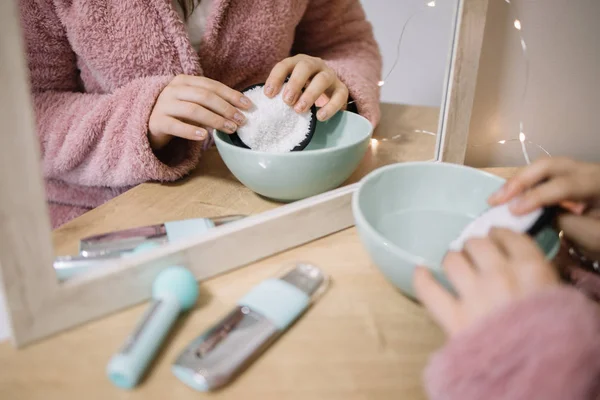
39	305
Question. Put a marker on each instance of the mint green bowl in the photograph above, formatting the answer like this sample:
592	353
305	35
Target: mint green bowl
407	214
335	151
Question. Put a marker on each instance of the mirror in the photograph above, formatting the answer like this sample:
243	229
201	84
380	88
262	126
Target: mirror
413	37
94	107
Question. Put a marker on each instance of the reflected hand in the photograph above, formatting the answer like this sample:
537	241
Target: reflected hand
487	275
191	104
572	184
323	87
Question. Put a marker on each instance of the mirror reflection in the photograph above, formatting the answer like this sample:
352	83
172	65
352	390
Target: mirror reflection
160	120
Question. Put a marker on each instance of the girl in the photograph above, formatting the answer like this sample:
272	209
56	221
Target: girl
515	332
126	91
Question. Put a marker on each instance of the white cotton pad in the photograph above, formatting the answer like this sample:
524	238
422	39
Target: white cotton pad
496	217
271	125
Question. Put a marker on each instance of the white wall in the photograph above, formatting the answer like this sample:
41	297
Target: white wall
562	107
418	77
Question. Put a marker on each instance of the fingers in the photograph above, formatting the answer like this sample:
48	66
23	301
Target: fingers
460	273
440	303
582	230
316	78
484	254
228	94
197	115
319	84
302	72
278	75
339	98
211	101
322	100
516	246
550	193
530	176
576	207
183	130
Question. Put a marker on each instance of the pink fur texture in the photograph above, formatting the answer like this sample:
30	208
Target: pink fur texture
541	348
97	67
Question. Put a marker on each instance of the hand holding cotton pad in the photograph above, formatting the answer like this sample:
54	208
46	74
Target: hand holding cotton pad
273	126
502	217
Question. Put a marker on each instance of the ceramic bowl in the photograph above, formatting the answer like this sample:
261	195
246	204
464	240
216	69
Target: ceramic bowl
407	215
334	152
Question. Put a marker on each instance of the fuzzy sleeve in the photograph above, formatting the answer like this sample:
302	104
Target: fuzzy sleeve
92	139
337	31
545	347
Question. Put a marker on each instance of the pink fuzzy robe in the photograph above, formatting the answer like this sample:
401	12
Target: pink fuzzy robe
545	347
97	67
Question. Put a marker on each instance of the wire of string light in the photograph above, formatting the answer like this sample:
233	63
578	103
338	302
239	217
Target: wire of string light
399	45
522	138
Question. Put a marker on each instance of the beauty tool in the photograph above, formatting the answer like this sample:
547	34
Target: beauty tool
67	267
273	126
174	290
127	240
213	359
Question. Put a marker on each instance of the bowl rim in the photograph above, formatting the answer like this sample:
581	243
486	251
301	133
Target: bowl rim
366	225
300	153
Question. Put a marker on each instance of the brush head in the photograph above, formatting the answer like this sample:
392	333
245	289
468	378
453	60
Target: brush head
179	282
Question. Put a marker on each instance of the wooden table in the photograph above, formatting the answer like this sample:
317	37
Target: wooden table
363	340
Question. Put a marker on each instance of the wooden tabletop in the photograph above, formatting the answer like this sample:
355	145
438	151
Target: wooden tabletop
362	340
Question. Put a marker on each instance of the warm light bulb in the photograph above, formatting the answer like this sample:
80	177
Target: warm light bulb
502	141
431	4
380	83
518	24
374	144
522	137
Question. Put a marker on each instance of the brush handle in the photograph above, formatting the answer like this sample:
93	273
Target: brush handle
127	366
174	290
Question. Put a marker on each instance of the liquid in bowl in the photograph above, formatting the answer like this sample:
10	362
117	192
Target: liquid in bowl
426	233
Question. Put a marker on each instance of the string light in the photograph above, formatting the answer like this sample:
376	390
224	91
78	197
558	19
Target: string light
374	144
504	141
398	46
522	139
518	24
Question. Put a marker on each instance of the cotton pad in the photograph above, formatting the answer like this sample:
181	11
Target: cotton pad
273	126
501	217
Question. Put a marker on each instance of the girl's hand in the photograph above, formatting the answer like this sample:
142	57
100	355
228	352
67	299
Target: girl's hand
190	105
323	87
553	181
487	275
